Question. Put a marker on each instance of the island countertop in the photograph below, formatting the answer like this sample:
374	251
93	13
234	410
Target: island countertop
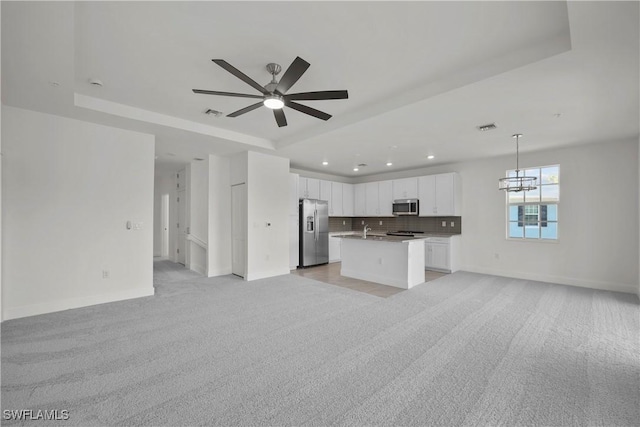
380	238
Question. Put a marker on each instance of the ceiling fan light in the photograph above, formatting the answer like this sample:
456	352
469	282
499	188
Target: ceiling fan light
275	102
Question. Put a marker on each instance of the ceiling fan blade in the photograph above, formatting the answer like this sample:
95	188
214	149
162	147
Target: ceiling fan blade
239	74
280	117
317	96
307	110
215	92
245	109
293	73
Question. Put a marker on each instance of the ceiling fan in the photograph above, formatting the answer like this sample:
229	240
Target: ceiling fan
274	94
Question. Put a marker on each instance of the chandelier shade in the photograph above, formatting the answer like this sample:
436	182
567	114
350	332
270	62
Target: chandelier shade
519	182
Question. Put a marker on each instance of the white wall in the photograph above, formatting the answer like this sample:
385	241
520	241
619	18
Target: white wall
198	224
268	203
219	225
69	188
598	213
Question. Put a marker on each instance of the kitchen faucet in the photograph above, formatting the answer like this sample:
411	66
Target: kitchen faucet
366	228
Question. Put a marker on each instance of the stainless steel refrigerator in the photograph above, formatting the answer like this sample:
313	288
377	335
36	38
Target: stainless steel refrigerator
314	232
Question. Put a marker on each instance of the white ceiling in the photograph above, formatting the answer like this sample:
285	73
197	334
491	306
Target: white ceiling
421	75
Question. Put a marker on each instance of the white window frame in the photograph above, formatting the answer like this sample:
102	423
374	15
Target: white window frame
538	203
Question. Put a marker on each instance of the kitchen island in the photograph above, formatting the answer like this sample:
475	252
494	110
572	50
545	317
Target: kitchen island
389	260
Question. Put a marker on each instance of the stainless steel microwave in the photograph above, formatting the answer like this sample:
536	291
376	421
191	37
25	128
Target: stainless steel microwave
405	207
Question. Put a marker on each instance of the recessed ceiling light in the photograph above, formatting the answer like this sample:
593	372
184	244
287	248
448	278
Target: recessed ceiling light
356	169
431	156
389	164
95	82
325	163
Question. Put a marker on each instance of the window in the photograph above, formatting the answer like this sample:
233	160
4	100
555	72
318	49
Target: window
533	215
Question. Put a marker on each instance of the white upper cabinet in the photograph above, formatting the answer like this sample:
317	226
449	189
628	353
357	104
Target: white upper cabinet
308	188
378	198
313	188
405	188
335	203
325	194
293	194
371	199
360	199
302	187
347	200
439	195
340	196
385	198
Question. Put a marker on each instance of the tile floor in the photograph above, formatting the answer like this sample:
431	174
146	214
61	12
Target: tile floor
330	273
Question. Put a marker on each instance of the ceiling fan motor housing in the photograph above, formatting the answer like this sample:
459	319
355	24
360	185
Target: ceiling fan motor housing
274	68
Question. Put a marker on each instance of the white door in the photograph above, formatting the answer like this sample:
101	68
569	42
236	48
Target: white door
427	195
335	206
444	194
385	198
436	255
164	227
360	197
371	199
181	247
347	199
238	229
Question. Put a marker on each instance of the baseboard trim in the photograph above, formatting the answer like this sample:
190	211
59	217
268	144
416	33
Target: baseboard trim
219	272
561	280
266	275
70	303
389	281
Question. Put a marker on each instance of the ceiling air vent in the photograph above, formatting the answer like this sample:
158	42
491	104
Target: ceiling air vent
214	113
362	165
484	128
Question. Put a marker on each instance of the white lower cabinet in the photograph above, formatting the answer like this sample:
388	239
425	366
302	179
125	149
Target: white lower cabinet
442	253
335	244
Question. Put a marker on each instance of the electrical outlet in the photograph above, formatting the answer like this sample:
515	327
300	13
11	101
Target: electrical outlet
344	222
453	224
380	222
105	274
362	223
444	223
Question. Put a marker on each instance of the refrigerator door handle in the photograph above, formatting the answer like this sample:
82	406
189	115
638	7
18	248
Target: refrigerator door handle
315	219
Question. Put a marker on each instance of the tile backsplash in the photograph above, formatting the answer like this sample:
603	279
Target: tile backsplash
386	224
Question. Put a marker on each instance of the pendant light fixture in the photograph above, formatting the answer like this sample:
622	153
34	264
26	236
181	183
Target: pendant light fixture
517	183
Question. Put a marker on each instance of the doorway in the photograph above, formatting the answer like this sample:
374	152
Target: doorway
164	227
238	229
181	248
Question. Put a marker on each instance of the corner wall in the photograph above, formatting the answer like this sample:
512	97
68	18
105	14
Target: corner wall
219	226
69	188
267	216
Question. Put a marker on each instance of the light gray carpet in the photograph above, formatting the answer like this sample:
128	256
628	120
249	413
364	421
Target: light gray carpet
466	349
